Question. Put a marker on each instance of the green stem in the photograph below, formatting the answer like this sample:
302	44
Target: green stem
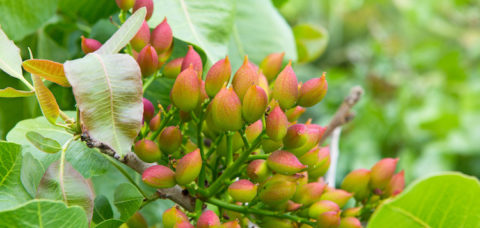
164	123
214	145
62	160
151	80
257	211
201	179
258	156
229	149
124	172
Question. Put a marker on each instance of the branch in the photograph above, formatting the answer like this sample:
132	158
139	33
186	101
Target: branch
343	114
176	193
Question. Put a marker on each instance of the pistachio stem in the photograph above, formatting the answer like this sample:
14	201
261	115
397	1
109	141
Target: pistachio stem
150	80
229	149
258	156
164	123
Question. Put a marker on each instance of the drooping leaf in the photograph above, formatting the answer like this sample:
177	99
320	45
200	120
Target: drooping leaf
44	213
44	144
31	173
207	24
111	223
47	101
102	209
259	30
62	182
311	41
123	35
11	92
50	70
447	200
127	199
89	162
10	59
11	192
108	91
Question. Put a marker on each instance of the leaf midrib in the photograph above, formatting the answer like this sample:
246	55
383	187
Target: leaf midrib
190	25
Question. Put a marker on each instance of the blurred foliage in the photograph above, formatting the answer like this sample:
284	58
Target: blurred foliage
419	63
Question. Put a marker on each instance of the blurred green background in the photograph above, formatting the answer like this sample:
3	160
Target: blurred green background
418	61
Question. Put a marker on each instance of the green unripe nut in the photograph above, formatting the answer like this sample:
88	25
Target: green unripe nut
188	167
173	216
284	162
159	176
242	191
170	139
147	151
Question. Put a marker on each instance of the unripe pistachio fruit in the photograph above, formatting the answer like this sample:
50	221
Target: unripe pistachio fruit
276	124
148	61
144	3
227	110
185	93
382	172
147	151
263	82
170	139
257	170
137	221
208	219
396	184
244	78
285	89
350	222
172	68
159	176
217	76
309	193
162	38
253	130
125	4
329	219
312	91
269	145
284	162
296	136
142	38
321	168
294	113
313	134
188	167
172	216
352	212
338	196
148	110
271	222
356	182
192	58
231	224
275	191
254	104
155	122
321	207
89	45
183	224
271	65
242	191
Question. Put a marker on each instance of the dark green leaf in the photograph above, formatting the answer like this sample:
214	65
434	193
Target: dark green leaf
44	144
102	209
111	223
31	173
90	10
127	199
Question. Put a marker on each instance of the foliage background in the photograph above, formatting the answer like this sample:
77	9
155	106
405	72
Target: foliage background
417	60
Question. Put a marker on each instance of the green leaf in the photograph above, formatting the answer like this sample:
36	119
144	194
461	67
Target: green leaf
259	30
111	223
90	10
44	213
44	144
311	41
31	173
111	108
127	199
123	35
447	200
102	210
22	17
62	182
10	59
47	101
207	23
89	162
11	92
11	192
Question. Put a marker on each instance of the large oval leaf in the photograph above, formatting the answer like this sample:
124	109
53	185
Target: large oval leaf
10	59
47	69
11	92
127	199
44	213
31	173
259	30
443	201
207	23
47	101
108	91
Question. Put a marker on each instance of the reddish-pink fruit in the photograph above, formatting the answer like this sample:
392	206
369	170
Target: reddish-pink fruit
170	139
89	45
227	110
312	158
276	191
208	219
159	176
312	91
329	219
322	168
352	212
276	124
254	104
242	191
193	58
147	151
338	196
173	216
188	167
162	37
144	3
257	170
313	134
309	193
271	65
183	224
263	82
148	110
284	162
321	207
217	76
253	130
294	113
244	78
142	38
185	93
155	122
125	4
382	172
172	68
285	89
350	222
356	182
231	224
292	206
148	61
396	184
296	136
269	145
